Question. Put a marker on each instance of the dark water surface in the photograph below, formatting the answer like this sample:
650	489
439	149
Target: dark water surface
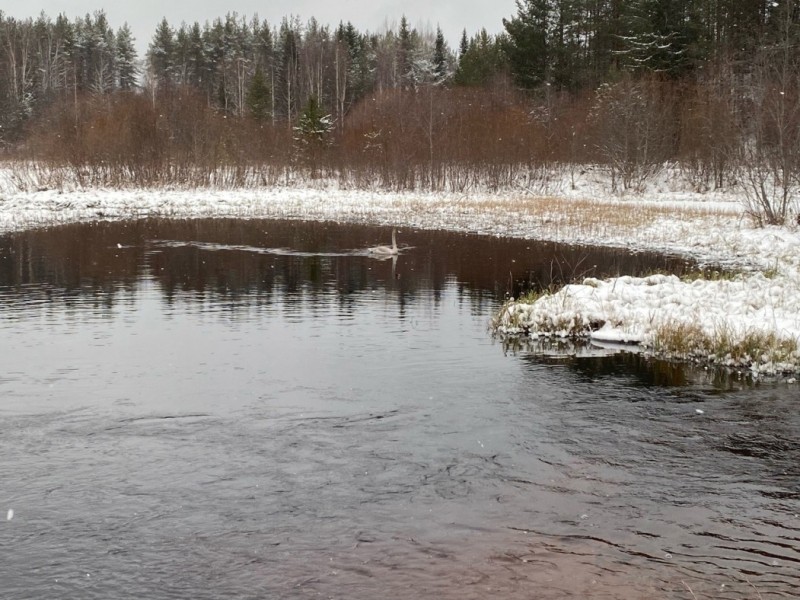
245	409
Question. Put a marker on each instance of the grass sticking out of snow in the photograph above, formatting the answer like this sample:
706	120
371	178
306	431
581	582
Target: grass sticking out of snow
709	275
512	319
509	319
547	314
588	218
722	346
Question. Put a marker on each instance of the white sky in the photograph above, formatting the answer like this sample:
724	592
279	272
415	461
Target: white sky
374	15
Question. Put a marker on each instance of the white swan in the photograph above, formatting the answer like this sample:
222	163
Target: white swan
387	250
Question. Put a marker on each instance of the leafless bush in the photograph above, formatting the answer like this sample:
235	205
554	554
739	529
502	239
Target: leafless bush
634	129
768	155
708	130
437	138
173	138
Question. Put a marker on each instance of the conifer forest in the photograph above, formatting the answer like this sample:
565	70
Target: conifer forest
711	87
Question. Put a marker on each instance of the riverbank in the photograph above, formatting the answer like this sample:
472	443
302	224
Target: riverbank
749	321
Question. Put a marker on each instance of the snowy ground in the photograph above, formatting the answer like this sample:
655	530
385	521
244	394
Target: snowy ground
762	303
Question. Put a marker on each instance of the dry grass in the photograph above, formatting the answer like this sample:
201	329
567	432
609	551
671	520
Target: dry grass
588	217
532	295
723	346
709	275
617	214
509	318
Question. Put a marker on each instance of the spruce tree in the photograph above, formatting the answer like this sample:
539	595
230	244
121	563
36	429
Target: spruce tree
182	55
315	123
463	46
404	54
198	69
481	61
440	56
127	71
661	36
312	133
567	44
214	55
160	54
259	96
288	66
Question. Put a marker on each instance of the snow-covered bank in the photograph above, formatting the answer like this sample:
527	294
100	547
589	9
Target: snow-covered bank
750	322
586	215
763	303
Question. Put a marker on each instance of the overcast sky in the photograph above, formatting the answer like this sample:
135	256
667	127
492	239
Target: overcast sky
374	15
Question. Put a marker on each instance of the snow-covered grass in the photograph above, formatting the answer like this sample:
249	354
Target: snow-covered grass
751	320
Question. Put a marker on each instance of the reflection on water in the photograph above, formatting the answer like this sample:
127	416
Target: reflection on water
250	409
242	257
601	359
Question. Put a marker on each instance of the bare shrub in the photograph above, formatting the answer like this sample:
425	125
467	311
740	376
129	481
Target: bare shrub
634	129
171	138
767	156
708	130
438	138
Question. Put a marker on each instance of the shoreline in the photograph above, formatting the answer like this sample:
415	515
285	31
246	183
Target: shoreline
755	313
650	222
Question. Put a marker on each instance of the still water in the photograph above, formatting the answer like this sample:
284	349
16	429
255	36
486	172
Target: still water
252	409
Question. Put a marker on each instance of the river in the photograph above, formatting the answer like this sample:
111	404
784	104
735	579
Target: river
259	409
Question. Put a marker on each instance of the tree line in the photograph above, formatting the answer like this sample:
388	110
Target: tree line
629	85
243	67
575	43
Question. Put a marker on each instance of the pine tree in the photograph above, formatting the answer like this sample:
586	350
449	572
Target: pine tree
567	44
527	43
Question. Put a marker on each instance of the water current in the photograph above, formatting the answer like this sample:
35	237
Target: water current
216	409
